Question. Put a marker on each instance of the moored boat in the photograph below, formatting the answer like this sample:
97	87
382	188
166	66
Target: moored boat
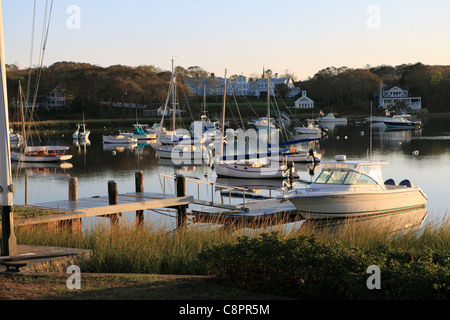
354	188
120	138
42	154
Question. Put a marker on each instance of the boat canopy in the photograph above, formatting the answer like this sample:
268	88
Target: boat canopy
369	168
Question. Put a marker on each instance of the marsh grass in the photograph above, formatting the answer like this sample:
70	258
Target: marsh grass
130	249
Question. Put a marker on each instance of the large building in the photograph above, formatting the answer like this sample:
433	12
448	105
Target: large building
397	96
241	86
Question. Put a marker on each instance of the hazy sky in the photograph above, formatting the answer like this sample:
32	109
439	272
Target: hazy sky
239	35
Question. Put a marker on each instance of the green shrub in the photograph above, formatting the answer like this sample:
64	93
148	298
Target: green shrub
305	267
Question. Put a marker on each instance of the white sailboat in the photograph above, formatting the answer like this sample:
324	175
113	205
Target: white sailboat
174	144
42	154
81	133
253	168
38	153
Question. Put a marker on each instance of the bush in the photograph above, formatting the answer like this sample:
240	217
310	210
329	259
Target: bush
304	267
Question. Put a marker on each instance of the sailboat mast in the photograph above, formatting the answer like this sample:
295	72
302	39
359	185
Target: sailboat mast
9	242
223	112
268	111
173	99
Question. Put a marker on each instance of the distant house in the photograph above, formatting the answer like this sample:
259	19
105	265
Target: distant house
395	96
213	86
56	99
304	102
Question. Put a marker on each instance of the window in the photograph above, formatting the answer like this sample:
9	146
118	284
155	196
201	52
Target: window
352	177
322	178
337	177
366	180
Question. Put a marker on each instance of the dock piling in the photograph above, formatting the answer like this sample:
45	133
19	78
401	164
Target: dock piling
139	182
113	197
181	192
73	189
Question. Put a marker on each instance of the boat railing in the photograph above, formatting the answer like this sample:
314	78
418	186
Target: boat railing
212	185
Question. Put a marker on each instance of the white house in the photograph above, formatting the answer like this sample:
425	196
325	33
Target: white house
56	99
397	95
304	102
212	86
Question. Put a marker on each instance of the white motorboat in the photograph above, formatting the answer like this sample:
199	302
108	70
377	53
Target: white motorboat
402	122
262	124
354	188
42	154
332	118
81	133
310	128
120	138
140	132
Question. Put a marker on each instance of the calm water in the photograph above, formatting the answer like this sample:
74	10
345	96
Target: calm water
94	164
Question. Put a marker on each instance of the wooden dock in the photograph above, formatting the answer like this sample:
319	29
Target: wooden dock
100	206
114	204
263	210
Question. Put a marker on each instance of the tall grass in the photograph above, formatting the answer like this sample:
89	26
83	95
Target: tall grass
130	249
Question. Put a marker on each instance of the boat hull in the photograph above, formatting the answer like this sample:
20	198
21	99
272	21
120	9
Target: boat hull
179	154
84	135
246	171
343	204
119	140
401	125
27	158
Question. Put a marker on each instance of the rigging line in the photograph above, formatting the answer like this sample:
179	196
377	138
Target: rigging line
44	39
31	54
237	107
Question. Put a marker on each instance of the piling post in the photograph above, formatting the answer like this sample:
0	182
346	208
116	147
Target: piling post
139	182
181	192
113	197
73	189
72	224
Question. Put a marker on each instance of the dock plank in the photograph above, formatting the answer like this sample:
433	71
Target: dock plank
99	206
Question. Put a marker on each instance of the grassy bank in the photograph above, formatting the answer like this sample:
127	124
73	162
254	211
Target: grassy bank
310	263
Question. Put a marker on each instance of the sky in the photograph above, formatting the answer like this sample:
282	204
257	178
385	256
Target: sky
242	36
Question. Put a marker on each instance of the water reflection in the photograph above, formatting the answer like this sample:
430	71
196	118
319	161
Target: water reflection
402	221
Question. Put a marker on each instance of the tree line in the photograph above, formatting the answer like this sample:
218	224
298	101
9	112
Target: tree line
342	90
347	90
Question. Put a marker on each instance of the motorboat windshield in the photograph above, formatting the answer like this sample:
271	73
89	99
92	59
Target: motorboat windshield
352	173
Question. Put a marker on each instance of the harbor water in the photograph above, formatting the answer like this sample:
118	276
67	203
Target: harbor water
422	156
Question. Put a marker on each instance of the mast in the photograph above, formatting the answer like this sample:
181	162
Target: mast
173	100
9	241
268	111
223	112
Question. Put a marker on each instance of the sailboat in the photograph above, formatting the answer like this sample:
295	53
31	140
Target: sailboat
81	133
205	129
174	145
252	167
39	153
